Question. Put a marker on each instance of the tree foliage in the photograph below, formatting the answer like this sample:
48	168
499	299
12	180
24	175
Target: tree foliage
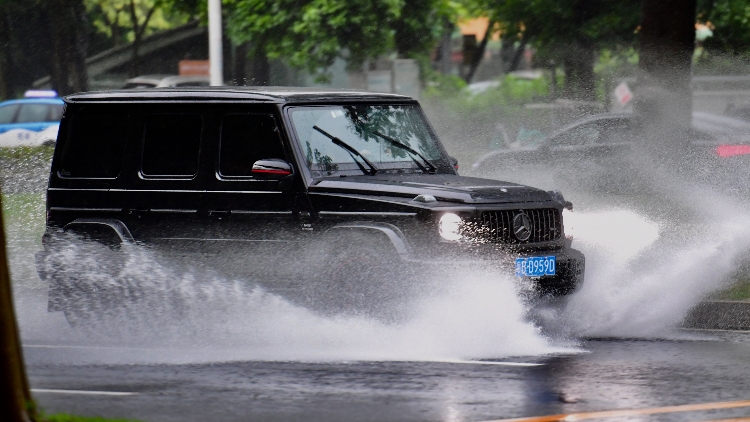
124	20
730	22
311	34
567	32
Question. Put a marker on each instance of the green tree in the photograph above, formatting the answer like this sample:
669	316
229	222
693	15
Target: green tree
311	34
569	32
730	20
132	20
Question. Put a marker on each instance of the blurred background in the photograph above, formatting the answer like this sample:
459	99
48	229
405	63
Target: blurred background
491	74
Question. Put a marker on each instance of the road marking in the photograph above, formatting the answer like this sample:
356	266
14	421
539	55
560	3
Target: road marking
62	346
486	362
86	392
630	412
741	419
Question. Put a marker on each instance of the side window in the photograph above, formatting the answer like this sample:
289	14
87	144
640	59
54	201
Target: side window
617	132
93	145
171	145
585	134
8	113
31	113
55	112
245	139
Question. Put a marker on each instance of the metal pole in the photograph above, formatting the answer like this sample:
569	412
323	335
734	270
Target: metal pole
215	53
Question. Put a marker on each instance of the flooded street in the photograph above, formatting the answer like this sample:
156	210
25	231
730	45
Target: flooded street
474	351
603	375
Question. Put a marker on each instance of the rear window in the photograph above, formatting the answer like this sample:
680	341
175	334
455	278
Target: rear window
171	145
245	139
94	145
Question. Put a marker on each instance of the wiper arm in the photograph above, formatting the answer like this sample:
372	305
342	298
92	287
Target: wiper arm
407	148
351	151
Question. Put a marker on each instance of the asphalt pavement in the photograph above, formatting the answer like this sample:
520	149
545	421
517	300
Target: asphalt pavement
646	379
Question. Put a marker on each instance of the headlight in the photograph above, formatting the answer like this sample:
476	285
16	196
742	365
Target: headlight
450	226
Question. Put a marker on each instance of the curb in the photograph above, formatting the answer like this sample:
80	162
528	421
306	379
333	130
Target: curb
719	315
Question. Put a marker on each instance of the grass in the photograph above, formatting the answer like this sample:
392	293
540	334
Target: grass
26	152
739	291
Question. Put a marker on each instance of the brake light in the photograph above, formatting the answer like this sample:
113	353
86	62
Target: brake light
732	150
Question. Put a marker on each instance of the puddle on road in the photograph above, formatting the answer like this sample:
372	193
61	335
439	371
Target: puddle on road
643	275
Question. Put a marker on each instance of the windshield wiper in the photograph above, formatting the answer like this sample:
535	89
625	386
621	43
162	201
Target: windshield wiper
351	152
407	148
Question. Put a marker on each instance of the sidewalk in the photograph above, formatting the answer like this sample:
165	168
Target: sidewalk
719	315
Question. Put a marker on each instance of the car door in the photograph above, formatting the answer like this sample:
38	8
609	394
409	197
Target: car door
252	231
166	179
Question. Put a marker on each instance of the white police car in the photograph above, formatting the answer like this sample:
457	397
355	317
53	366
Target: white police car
31	121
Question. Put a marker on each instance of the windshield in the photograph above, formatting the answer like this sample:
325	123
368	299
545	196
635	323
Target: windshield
366	129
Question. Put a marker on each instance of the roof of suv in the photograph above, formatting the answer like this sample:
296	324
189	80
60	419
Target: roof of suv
234	93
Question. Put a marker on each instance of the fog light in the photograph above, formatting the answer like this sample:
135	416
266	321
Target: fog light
450	226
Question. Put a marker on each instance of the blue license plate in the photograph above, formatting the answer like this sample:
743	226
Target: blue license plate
535	266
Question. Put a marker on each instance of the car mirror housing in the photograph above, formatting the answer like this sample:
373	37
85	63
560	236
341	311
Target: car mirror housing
272	169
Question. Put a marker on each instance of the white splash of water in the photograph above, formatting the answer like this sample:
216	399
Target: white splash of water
641	281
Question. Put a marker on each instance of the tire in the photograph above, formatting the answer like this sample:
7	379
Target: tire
360	276
84	281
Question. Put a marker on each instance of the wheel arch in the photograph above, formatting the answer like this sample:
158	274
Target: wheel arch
395	237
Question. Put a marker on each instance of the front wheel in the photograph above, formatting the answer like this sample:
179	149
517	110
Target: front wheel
357	280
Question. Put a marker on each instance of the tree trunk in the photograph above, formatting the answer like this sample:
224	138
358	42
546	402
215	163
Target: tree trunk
479	54
54	18
578	64
15	398
239	64
5	72
79	46
64	19
445	66
515	61
260	68
663	98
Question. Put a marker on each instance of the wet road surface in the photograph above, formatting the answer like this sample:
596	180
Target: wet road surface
707	368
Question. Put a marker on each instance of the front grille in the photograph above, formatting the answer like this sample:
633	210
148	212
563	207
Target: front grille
497	226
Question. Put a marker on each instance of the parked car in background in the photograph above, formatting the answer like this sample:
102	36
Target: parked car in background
166	81
31	121
595	153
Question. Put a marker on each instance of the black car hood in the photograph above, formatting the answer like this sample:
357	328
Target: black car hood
444	187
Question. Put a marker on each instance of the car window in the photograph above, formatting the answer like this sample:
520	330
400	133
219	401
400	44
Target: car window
31	113
55	112
366	129
171	145
93	145
193	83
7	113
138	85
585	134
245	139
616	131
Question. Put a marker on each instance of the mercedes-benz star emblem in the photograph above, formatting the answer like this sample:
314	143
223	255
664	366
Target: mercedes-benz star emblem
522	227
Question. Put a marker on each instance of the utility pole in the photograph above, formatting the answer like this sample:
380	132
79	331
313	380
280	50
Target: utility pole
15	396
215	53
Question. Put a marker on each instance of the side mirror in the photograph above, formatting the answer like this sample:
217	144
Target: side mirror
272	169
454	163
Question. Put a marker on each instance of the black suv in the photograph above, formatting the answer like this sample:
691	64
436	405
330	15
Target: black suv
315	194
